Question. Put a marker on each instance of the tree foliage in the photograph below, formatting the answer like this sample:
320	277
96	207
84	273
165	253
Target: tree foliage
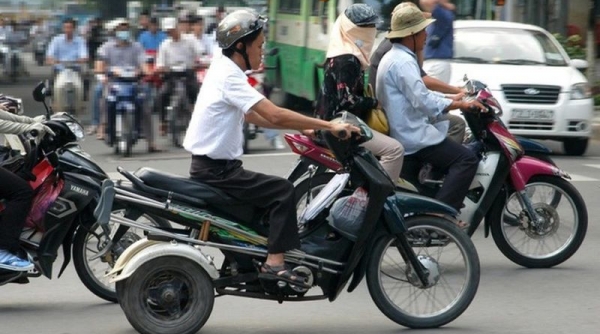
573	45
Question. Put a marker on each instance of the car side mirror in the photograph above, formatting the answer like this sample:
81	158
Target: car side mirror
579	64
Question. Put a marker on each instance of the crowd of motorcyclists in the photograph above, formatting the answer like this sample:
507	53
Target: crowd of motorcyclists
158	45
148	56
150	45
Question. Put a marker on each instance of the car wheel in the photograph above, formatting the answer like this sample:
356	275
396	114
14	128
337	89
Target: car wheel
575	146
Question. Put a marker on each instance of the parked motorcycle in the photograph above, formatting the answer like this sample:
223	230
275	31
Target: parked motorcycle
124	101
68	87
537	218
166	284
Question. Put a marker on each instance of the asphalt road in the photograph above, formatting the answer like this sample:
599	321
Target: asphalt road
511	299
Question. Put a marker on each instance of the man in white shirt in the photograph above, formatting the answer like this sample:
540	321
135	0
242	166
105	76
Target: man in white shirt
215	137
178	49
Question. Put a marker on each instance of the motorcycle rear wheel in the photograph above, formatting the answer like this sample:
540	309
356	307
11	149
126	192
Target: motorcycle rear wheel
167	295
457	274
88	241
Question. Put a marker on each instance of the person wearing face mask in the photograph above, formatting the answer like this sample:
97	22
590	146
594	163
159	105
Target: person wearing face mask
121	51
215	139
350	45
175	50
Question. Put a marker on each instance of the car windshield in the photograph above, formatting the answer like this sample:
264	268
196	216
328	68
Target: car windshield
506	46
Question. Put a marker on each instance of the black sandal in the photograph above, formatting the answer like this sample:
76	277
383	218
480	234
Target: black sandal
282	273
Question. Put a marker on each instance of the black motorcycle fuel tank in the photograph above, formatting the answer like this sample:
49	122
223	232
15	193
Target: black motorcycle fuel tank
73	159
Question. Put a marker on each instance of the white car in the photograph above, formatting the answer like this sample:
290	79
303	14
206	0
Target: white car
542	92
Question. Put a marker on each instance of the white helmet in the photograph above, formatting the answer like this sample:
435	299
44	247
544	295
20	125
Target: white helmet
168	23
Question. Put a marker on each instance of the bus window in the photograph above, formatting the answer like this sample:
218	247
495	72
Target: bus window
316	6
289	6
319	9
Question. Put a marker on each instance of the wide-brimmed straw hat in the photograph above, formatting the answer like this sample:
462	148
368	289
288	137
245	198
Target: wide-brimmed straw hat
406	21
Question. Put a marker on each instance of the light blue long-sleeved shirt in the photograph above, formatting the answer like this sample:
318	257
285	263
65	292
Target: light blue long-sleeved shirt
63	50
414	113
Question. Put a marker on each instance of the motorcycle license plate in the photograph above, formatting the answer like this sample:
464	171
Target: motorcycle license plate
532	114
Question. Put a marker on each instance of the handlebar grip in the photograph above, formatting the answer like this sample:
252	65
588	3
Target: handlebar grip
343	134
34	133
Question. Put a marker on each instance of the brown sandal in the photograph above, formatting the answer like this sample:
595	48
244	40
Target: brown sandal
282	273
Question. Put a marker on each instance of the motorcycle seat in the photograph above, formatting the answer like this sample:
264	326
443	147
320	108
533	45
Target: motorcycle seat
184	186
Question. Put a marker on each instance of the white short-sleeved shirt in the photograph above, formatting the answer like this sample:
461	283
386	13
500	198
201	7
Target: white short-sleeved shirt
216	127
186	50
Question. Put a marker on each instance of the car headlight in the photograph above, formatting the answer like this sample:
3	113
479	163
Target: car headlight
581	91
76	129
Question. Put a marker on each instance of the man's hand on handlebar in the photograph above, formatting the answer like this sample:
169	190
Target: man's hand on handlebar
473	105
40	129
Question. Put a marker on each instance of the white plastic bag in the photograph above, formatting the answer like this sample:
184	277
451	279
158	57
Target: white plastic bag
348	213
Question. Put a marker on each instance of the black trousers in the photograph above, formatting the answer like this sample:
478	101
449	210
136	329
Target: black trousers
458	163
162	101
263	191
18	196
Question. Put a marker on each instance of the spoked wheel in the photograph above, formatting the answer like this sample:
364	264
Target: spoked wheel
513	209
558	234
167	295
89	242
453	264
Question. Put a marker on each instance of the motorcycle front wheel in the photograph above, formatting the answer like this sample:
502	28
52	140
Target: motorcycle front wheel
89	241
167	295
453	264
551	241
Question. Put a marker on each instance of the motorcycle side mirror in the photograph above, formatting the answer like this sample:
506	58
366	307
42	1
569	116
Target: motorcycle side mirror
39	92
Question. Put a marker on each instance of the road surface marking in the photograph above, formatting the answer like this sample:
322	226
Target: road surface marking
581	178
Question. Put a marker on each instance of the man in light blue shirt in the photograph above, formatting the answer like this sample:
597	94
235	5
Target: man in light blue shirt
150	39
67	47
416	115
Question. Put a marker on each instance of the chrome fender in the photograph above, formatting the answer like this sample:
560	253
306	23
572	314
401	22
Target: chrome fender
157	249
129	252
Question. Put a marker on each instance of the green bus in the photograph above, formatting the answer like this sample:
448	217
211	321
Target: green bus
300	30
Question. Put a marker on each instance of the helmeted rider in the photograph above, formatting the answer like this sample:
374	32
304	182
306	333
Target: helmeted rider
215	139
17	195
121	52
177	49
